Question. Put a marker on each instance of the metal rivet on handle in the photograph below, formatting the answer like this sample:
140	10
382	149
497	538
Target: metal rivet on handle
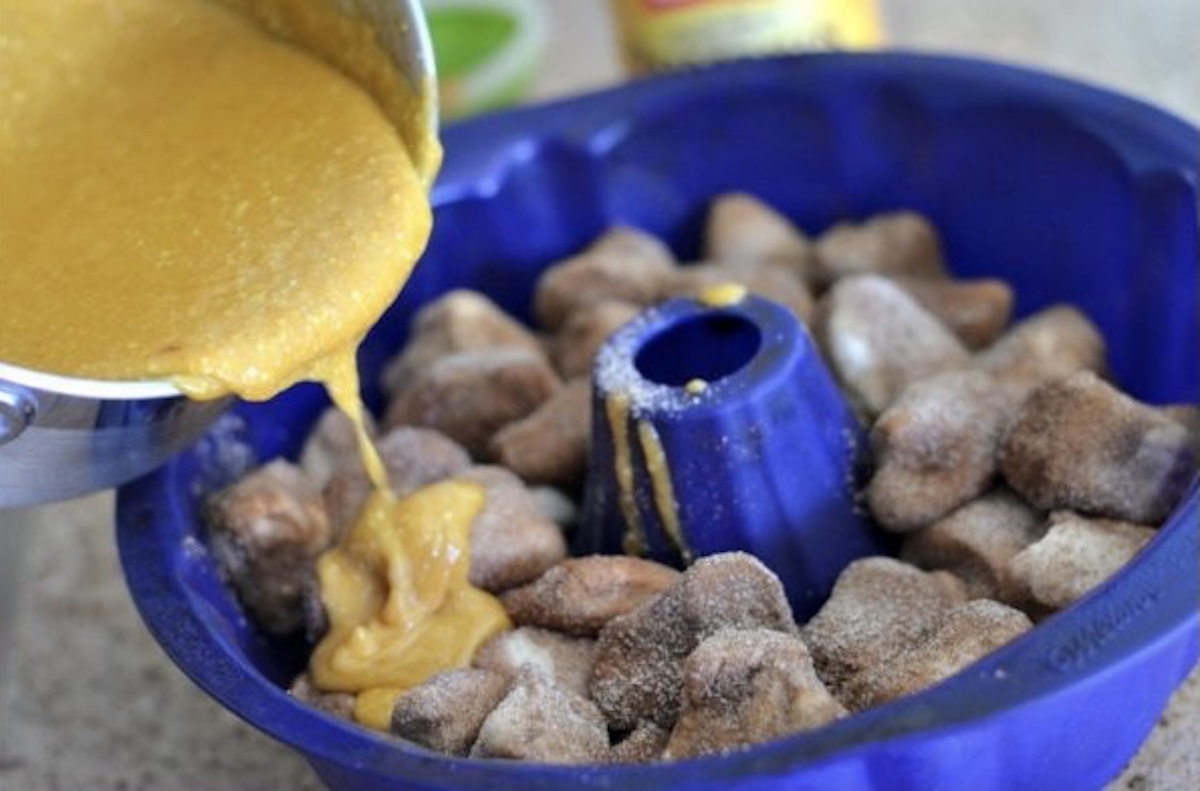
17	409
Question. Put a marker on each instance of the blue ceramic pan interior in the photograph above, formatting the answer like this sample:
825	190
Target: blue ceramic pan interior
1069	192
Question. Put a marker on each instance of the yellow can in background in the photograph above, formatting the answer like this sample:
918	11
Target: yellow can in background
657	34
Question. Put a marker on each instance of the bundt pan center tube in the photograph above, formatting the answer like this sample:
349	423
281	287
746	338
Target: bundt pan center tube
717	427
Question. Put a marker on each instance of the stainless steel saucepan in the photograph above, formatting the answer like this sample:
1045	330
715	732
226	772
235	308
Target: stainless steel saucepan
61	437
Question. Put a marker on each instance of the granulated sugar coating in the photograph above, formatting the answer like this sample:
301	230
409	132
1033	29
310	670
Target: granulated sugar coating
935	447
639	659
1080	443
745	686
616	370
960	636
447	711
1076	555
644	743
580	595
538	721
564	661
878	607
512	541
977	542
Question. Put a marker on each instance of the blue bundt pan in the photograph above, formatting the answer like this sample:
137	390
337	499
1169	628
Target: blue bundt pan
1069	192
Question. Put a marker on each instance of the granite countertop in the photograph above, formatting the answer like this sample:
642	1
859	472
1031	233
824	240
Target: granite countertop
89	701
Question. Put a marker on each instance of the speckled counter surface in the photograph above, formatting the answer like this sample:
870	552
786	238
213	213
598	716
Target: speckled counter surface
89	701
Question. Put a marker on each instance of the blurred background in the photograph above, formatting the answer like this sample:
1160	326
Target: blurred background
88	700
1146	49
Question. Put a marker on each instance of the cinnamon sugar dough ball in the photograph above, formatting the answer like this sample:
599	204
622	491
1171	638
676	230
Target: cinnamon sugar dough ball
1079	443
639	658
744	687
878	340
1075	555
936	446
